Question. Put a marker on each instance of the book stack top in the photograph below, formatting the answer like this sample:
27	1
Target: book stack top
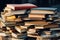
12	11
21	6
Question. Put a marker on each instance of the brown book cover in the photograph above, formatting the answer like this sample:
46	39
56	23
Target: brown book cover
21	6
51	26
33	18
42	22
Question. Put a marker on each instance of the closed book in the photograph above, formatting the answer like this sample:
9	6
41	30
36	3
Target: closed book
1	23
8	12
10	18
51	26
3	15
37	23
39	26
17	12
14	12
45	8
43	11
21	6
18	35
14	35
10	23
36	16
3	34
33	18
54	29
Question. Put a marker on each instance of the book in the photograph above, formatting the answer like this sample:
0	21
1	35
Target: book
42	22
10	18
33	18
55	29
17	12
20	29
21	6
3	34
43	10
36	16
46	26
14	12
51	26
1	23
14	35
25	26
39	27
18	19
10	23
6	16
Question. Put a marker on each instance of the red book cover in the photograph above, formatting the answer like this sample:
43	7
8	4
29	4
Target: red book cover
21	6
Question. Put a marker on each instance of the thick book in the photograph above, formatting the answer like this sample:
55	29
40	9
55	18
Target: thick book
14	12
42	22
21	6
17	12
43	10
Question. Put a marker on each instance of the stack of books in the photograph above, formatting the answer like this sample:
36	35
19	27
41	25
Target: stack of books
12	19
13	12
22	19
42	17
